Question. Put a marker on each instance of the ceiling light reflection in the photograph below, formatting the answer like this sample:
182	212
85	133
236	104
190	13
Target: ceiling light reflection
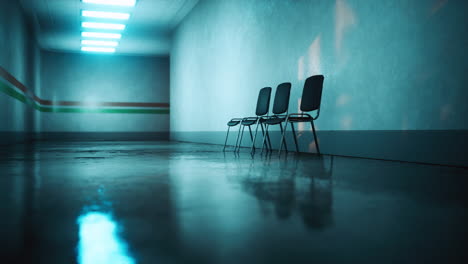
99	241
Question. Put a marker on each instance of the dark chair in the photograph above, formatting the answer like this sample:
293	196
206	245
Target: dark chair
280	110
263	104
310	101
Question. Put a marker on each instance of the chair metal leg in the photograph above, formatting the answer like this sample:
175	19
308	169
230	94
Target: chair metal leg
255	137
240	141
284	141
227	135
263	130
269	140
238	135
315	137
264	138
282	136
250	132
295	137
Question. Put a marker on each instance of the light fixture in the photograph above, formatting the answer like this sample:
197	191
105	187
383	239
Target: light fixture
98	49
99	43
112	2
101	35
100	14
103	25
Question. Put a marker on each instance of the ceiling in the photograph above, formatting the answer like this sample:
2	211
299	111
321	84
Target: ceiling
148	31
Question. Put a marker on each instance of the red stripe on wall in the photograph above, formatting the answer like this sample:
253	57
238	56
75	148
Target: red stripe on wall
11	79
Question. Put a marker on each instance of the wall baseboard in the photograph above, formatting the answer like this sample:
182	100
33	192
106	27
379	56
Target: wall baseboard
443	147
8	138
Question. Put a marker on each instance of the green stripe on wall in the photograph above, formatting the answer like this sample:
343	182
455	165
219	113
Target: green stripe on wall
12	92
20	97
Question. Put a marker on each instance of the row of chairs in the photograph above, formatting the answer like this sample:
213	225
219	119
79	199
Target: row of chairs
310	101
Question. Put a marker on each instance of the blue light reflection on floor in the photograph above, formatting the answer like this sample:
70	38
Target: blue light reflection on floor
99	240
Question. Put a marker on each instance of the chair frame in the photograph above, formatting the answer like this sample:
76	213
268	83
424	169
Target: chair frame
306	117
281	114
257	120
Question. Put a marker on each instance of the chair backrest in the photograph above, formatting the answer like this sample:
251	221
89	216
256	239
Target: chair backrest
281	103
263	102
312	93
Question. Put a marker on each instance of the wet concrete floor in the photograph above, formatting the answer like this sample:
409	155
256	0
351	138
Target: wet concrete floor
167	202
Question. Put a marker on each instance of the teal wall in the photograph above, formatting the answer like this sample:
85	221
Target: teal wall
96	78
389	65
19	55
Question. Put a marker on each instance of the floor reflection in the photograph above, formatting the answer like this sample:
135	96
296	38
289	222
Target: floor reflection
297	186
99	240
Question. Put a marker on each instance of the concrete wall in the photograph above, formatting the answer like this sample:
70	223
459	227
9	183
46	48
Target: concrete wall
395	81
98	86
18	57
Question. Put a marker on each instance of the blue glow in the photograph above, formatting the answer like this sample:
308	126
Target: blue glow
89	42
98	49
101	35
112	2
99	241
100	14
103	25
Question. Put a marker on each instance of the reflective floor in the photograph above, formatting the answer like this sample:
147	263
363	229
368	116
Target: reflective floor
150	202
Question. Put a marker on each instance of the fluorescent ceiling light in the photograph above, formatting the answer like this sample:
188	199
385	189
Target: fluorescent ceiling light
98	49
103	25
101	35
112	2
100	14
99	43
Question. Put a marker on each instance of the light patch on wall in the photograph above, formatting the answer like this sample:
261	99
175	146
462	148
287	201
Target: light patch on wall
445	112
313	55
437	6
346	122
405	123
344	19
300	69
342	100
91	102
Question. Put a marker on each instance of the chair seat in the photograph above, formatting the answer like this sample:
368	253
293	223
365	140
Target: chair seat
233	123
300	119
249	122
274	120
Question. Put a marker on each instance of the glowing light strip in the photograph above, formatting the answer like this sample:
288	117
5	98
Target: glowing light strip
112	2
99	43
101	35
103	25
98	49
100	14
